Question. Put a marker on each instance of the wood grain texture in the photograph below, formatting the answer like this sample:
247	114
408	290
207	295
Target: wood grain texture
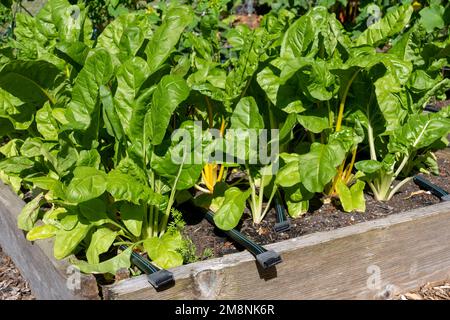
48	277
370	260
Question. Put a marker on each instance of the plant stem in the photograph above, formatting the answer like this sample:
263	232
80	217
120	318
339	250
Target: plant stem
165	218
151	230
374	190
196	186
257	215
268	203
349	169
221	172
400	168
330	116
210	112
373	154
397	187
342	104
336	178
252	186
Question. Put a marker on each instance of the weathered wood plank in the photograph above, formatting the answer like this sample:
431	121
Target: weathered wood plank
370	260
48	277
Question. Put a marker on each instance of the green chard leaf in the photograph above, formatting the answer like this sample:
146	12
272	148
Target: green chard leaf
88	183
169	93
121	261
394	22
102	240
29	214
167	35
230	212
352	199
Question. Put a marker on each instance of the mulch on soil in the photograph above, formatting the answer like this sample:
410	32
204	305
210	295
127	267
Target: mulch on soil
430	291
12	285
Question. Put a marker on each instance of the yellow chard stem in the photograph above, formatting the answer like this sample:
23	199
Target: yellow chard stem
342	104
350	166
222	170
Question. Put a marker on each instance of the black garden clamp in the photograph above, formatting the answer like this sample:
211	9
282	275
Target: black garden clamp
434	189
283	224
158	278
265	258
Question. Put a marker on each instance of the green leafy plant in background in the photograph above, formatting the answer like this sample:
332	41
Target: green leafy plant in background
334	106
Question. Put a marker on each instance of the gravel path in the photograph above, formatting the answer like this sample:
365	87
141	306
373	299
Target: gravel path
12	285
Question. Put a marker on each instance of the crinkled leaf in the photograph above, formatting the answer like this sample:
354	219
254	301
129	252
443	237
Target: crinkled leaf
368	166
418	132
133	216
246	115
170	92
102	240
94	211
30	81
121	261
97	71
228	215
130	76
389	25
46	123
66	241
16	164
88	183
164	250
29	214
318	166
125	187
42	232
167	35
352	199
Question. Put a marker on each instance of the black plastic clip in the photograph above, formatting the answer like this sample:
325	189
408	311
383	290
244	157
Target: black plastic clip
434	189
265	258
283	224
158	278
268	259
431	108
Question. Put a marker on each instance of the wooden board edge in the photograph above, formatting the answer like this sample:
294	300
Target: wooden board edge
48	278
188	275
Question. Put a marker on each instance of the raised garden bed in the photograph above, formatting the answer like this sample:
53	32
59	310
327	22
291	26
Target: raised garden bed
118	140
369	260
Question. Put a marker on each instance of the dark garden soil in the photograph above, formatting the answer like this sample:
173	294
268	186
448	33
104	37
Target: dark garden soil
321	217
442	104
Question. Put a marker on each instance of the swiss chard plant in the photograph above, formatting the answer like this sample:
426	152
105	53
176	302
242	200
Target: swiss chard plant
96	134
86	127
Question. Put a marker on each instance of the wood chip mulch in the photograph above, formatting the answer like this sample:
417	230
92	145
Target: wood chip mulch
12	285
430	291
